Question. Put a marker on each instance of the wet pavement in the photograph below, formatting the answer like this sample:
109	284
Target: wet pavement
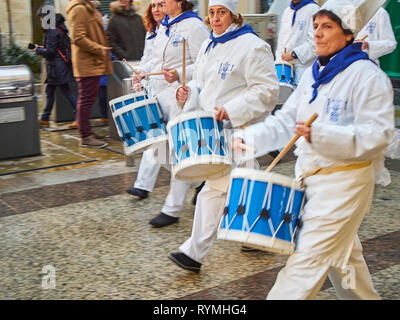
67	210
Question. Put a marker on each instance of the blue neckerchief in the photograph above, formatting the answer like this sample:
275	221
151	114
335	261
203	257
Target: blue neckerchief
229	36
183	16
298	6
153	35
337	64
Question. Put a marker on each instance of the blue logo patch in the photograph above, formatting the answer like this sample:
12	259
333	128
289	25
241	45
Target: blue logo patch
224	69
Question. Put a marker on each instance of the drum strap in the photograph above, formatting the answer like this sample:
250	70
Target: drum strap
330	170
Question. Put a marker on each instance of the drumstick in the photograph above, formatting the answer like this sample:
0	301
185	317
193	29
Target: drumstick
363	38
184	64
130	67
156	73
290	144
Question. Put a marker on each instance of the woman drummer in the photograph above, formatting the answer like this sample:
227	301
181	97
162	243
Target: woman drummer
234	72
180	23
354	101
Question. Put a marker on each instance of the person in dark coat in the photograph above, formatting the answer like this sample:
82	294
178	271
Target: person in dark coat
126	33
56	50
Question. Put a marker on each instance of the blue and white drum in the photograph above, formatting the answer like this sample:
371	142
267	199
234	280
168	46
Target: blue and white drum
199	147
262	210
139	121
285	73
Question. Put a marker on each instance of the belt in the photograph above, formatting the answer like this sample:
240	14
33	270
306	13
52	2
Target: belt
330	170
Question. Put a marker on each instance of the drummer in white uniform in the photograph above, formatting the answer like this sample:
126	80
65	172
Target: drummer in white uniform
179	23
295	40
354	101
149	168
235	74
381	40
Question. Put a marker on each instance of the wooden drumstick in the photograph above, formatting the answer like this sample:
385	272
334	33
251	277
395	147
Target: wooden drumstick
130	67
156	73
363	38
184	64
290	144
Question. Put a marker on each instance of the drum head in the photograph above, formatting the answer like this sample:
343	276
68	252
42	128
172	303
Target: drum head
201	168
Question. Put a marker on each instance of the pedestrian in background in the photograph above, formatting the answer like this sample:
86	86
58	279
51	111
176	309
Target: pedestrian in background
126	33
56	50
90	59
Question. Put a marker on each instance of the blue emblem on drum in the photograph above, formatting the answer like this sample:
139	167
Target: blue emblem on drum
224	69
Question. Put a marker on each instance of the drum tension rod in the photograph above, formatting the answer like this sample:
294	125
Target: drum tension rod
153	126
265	214
140	129
287	217
226	210
240	209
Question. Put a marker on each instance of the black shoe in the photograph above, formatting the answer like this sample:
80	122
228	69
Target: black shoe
185	262
142	194
248	249
163	220
198	189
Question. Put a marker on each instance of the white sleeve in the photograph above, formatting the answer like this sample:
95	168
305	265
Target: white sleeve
371	130
262	90
197	34
387	41
306	51
274	132
145	62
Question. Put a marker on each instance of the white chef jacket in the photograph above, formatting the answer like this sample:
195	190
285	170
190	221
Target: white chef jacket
145	61
168	53
238	75
298	38
355	123
381	39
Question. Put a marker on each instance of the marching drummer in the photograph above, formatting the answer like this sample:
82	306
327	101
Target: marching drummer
235	74
180	23
295	40
338	157
381	40
149	168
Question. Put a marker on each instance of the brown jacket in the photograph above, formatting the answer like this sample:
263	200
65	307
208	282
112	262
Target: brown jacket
87	40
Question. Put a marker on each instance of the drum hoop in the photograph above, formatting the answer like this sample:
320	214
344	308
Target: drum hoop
138	147
133	106
286	84
274	178
284	63
189	116
127	97
257	240
202	159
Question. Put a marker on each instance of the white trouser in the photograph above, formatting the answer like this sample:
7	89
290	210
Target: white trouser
176	197
302	278
209	210
148	171
147	177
